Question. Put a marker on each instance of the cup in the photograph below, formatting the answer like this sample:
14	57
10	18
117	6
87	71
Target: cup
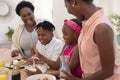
1	62
4	73
3	77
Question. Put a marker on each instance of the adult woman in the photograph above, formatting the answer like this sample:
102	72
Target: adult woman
96	44
25	35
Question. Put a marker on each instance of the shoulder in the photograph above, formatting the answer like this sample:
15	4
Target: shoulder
103	28
57	40
19	29
103	32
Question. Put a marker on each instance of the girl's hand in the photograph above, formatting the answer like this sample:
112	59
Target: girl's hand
15	53
68	76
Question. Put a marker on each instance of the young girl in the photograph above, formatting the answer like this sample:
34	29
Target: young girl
71	31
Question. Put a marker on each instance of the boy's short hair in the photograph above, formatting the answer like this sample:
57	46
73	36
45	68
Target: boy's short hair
46	25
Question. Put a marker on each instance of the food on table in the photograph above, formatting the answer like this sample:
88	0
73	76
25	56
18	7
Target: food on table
1	64
42	79
45	78
20	62
31	68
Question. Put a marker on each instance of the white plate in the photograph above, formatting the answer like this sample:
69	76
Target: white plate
4	9
3	70
42	67
41	77
9	65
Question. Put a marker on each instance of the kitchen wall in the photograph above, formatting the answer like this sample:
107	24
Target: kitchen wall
60	13
43	10
55	12
11	19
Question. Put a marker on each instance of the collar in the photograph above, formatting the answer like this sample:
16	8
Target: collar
50	43
93	18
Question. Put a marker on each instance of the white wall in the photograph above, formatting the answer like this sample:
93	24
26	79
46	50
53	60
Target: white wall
107	5
59	14
116	6
11	19
43	9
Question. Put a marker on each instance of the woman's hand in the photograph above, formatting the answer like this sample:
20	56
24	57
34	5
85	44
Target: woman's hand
68	76
38	71
14	53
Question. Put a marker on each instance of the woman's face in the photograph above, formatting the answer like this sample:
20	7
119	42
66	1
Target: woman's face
69	7
75	10
44	36
27	16
68	35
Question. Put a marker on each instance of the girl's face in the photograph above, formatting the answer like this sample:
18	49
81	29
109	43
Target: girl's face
27	16
68	35
44	36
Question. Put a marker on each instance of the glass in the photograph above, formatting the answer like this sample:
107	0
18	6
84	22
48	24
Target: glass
1	62
4	73
64	65
3	77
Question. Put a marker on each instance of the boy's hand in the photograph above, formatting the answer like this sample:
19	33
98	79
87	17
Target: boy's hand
38	71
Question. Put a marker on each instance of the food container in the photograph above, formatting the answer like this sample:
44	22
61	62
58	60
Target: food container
4	73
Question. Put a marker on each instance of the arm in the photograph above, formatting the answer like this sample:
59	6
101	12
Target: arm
103	38
51	63
55	59
74	62
15	45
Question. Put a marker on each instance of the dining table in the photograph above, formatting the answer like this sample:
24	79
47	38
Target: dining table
5	54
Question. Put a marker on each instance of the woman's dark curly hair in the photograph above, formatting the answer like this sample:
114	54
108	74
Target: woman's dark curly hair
23	4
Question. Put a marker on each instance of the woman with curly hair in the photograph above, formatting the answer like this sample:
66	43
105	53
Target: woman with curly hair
22	37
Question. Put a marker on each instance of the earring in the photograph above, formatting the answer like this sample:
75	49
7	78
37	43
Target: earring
73	5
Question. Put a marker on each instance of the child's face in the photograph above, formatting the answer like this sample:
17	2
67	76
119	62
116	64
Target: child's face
44	36
68	34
